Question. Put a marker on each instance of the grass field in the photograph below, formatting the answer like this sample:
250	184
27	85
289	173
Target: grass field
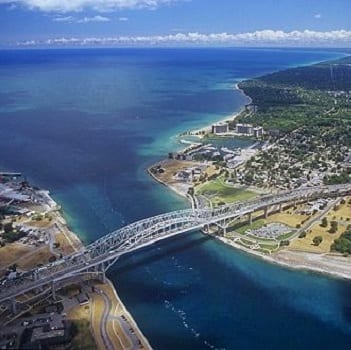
287	218
80	316
11	252
342	216
219	192
285	236
255	225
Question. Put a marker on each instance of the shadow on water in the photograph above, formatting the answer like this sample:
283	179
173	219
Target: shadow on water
152	257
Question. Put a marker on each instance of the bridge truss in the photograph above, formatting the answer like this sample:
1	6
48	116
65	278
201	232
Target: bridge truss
103	253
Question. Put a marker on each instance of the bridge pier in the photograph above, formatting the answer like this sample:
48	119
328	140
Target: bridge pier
96	270
266	212
250	219
35	275
53	290
102	273
14	306
280	207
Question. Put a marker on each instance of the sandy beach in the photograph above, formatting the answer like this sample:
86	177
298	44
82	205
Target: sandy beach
333	265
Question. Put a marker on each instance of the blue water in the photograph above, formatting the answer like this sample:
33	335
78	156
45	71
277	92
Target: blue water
86	123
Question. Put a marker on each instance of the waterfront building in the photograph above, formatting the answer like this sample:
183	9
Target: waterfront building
220	128
258	132
246	129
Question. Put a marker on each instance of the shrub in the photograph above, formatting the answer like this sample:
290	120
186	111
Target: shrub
324	222
317	240
303	234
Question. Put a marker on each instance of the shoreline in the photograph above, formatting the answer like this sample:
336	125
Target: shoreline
76	243
290	259
302	266
232	117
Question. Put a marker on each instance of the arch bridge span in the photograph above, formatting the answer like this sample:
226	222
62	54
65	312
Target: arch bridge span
98	256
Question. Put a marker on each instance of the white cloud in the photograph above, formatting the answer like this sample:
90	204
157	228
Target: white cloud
259	38
64	19
93	19
317	16
71	19
78	5
123	19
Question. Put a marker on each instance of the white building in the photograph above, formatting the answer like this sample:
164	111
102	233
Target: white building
220	128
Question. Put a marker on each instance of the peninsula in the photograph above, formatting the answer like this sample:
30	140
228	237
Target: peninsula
89	314
299	124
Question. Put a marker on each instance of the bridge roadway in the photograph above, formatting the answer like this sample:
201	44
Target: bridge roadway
101	254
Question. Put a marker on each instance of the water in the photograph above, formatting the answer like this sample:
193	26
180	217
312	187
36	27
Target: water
86	123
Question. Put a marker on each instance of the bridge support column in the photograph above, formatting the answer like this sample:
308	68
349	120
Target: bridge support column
280	207
250	219
35	276
14	306
53	290
266	212
102	273
96	271
224	230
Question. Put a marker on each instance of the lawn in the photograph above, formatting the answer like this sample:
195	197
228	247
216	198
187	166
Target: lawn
255	225
218	192
285	236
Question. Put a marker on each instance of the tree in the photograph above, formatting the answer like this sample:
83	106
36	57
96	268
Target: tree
303	234
284	243
8	227
334	227
324	222
317	240
52	258
191	191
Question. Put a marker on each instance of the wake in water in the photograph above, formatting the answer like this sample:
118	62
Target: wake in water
183	317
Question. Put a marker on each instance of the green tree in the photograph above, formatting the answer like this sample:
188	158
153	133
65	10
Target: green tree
324	222
333	226
284	243
317	240
303	234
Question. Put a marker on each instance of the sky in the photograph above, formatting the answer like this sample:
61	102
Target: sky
311	23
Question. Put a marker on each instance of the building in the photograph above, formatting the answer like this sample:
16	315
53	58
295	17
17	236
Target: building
83	298
246	129
220	128
258	132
